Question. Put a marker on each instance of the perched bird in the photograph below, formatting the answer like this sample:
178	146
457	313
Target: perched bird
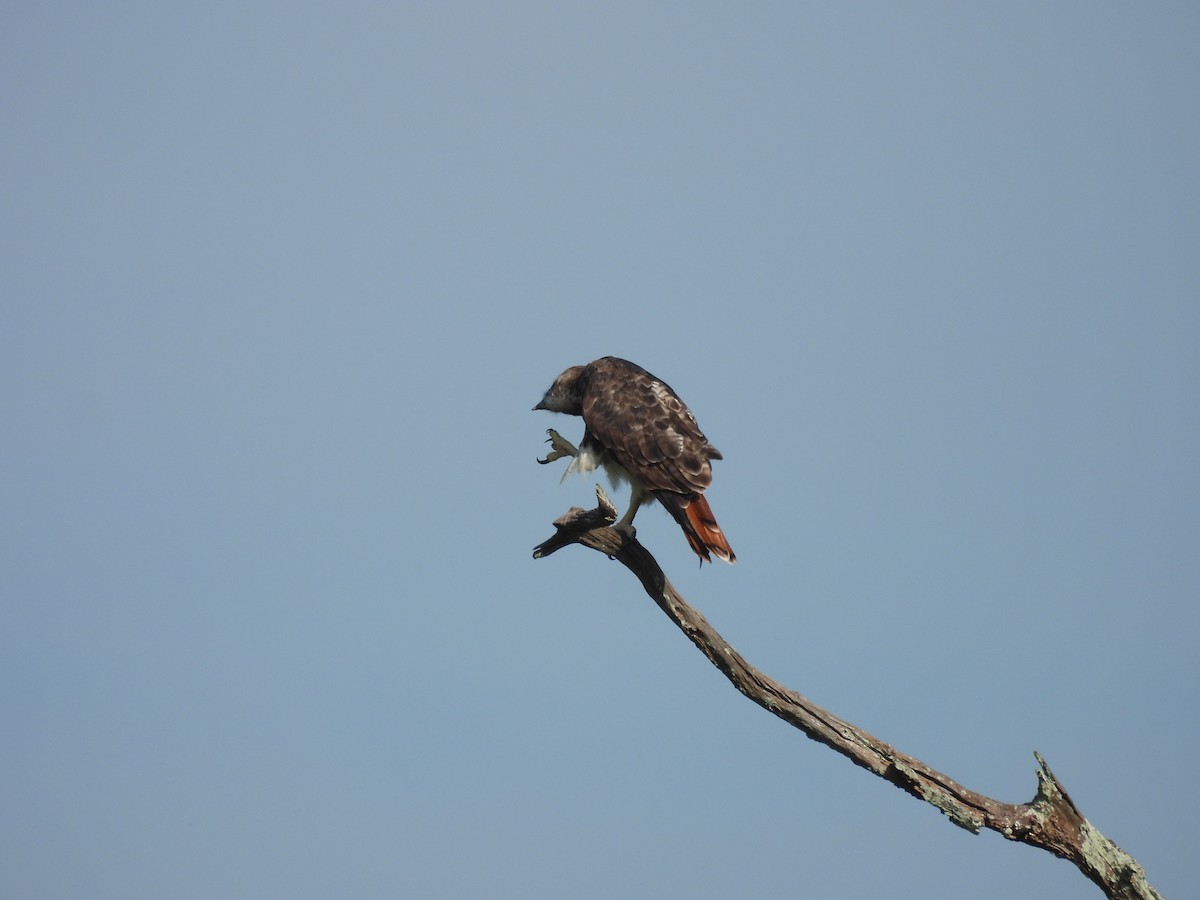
639	431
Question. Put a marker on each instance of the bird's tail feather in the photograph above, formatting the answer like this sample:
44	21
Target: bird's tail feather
704	523
699	526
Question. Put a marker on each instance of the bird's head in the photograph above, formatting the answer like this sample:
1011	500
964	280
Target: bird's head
566	394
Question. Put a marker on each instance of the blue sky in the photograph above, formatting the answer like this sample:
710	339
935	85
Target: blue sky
281	283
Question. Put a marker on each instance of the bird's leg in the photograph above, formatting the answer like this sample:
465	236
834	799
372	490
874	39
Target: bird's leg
636	497
562	447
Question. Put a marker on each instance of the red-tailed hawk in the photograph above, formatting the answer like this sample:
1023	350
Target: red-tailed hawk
639	431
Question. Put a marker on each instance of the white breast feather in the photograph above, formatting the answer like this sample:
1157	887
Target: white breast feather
583	462
588	460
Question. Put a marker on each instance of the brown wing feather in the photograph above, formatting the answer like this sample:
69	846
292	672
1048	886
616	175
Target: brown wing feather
645	425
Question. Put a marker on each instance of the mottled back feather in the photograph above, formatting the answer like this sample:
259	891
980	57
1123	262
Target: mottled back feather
646	427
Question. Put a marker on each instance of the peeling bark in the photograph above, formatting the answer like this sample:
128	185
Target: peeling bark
1050	820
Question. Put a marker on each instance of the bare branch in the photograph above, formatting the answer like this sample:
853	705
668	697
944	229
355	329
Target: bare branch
1050	820
587	526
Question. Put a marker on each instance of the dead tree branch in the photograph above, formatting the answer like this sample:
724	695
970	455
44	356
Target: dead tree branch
1050	820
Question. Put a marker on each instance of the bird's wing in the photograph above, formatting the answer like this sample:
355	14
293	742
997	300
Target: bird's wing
644	424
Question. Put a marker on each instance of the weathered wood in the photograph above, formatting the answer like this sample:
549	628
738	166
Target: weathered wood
1050	820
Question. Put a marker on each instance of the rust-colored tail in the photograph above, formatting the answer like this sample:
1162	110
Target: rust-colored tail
699	526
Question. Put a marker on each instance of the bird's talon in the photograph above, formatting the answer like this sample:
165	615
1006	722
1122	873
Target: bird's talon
562	447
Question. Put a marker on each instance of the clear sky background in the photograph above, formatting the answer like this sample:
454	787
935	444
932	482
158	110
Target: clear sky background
280	285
